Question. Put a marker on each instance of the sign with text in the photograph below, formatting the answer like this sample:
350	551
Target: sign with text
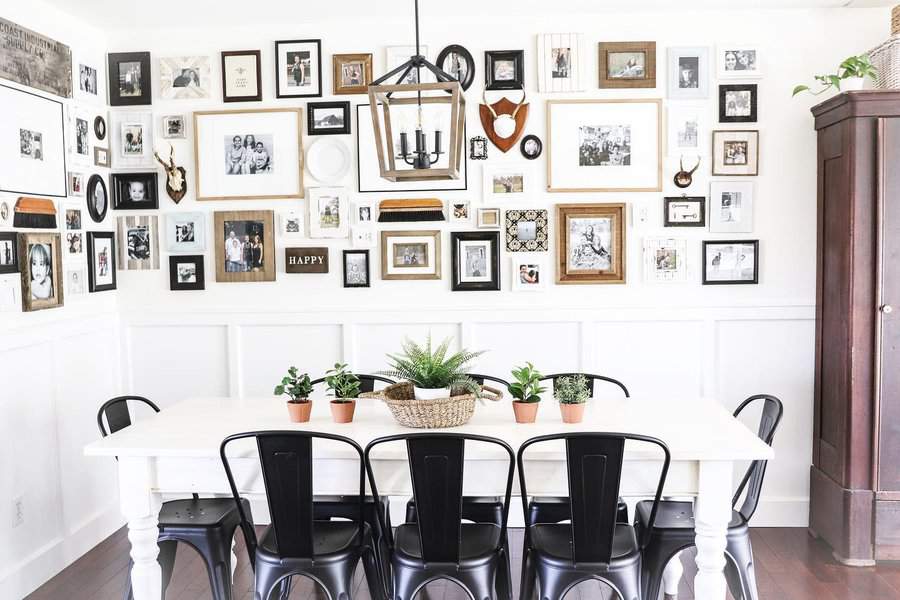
306	260
29	58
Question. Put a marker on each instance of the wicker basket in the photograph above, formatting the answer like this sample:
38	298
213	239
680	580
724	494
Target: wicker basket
431	414
886	58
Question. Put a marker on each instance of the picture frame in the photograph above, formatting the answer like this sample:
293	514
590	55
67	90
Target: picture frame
688	73
10	295
306	260
394	56
604	136
9	252
328	212
99	127
138	242
186	273
73	243
487	218
560	58
527	230
665	260
6	212
101	261
76	184
735	152
184	77
174	127
476	260
128	78
134	191
504	69
531	147
97	198
364	212
186	232
35	60
357	273
687	129
739	61
40	260
273	172
73	217
459	212
591	244
245	246
684	211
528	272
410	255
89	81
328	118
351	73
131	139
509	183
457	61
627	64
363	237
726	262
731	206
478	147
298	68
78	134
101	157
738	103
236	85
291	226
75	283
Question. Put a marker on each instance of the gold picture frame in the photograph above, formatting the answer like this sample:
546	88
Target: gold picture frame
584	263
419	247
242	263
616	75
51	282
338	61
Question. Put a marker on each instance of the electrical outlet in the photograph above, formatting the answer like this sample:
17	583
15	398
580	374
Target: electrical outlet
18	512
640	216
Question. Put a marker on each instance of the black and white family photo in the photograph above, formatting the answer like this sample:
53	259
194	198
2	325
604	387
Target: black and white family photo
688	72
508	183
411	255
735	152
456	65
730	262
40	265
560	58
187	272
604	145
738	103
74	243
130	83
529	274
186	78
139	242
504	70
244	247
87	79
248	154
352	74
475	265
73	218
132	139
137	191
364	214
31	144
81	136
590	240
626	65
298	68
184	232
356	271
740	60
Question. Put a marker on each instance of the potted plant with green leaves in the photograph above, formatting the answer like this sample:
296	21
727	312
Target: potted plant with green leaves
344	386
572	393
434	372
850	76
298	388
526	391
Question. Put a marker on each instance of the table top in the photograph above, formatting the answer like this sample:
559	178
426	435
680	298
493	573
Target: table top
693	428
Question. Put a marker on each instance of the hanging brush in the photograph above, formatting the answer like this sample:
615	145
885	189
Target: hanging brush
34	213
419	209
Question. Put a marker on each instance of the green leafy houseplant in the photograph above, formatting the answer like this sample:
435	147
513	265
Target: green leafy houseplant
433	369
297	387
572	390
342	383
527	387
852	67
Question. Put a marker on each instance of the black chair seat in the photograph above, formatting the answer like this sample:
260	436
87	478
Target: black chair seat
478	542
202	512
478	509
677	515
554	543
555	509
329	538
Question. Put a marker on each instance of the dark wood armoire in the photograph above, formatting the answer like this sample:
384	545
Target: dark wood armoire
855	476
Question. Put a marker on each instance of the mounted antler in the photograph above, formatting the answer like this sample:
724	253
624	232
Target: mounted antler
503	121
684	178
175	176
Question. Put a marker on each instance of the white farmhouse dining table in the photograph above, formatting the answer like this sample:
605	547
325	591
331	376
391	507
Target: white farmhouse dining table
177	452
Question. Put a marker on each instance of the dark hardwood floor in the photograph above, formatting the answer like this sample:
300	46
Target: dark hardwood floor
789	566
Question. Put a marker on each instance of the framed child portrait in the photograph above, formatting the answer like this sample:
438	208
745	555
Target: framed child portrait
298	68
41	271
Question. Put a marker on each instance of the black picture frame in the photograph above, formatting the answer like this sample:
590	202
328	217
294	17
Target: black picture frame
13	248
256	55
99	127
200	274
368	282
311	128
738	87
92	276
699	200
491	57
466	56
531	138
120	182
114	59
279	74
97	216
709	243
456	237
478	147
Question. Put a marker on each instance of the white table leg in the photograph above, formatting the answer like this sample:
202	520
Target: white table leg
672	576
712	513
141	505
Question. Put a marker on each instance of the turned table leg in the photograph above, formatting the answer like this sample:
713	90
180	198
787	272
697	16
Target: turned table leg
711	516
141	505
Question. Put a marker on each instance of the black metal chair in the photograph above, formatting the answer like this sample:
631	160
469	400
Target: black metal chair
206	524
295	543
592	379
593	545
366	382
480	379
674	528
439	545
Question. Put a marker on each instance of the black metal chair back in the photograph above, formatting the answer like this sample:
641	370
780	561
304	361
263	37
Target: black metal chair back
480	379
436	463
117	415
287	467
592	378
366	382
594	465
752	481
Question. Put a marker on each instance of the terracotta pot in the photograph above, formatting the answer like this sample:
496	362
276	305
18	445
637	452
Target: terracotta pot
526	412
572	413
299	411
342	411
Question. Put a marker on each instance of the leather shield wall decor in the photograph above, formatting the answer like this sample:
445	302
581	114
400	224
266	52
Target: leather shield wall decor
504	121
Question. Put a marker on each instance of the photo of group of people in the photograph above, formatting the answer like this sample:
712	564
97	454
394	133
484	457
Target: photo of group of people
604	145
244	247
740	60
130	83
31	144
590	243
132	139
248	154
735	152
87	79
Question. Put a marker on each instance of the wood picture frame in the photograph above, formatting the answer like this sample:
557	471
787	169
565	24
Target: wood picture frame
738	102
684	211
499	74
476	260
242	263
729	267
289	64
241	88
584	254
616	71
186	272
362	276
327	124
42	285
101	261
465	75
421	259
346	68
9	252
129	78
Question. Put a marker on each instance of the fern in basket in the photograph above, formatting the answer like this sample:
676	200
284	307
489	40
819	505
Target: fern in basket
434	369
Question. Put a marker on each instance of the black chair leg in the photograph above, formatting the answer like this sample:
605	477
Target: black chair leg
627	581
503	584
740	551
554	583
337	579
373	573
480	582
407	582
217	556
656	556
529	574
268	578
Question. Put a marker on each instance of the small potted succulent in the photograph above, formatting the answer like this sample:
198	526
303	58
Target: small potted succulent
572	393
433	373
298	388
526	391
344	386
850	76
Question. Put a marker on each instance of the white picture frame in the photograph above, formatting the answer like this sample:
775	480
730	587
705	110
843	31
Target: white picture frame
524	268
364	212
738	60
561	61
488	218
74	245
89	77
507	183
688	73
10	293
459	212
665	260
75	282
186	232
184	77
731	206
79	135
682	138
328	212
125	154
76	184
291	225
394	56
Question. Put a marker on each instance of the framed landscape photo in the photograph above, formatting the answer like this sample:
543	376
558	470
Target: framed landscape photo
590	243
527	230
356	269
737	103
604	145
504	69
327	118
241	76
739	61
688	73
9	252
665	260
41	271
476	260
129	78
245	246
134	191
184	77
131	139
560	62
101	261
138	241
735	152
248	154
97	198
730	262
684	211
687	129
186	273
457	61
529	273
731	206
329	208
410	255
510	183
298	68
186	232
351	73
627	64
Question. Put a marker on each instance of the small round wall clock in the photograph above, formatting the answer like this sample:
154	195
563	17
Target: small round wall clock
531	147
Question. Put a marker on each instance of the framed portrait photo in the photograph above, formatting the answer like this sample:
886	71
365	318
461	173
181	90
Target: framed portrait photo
590	243
504	69
364	212
687	129
298	68
184	77
186	273
138	241
9	252
186	232
665	260
327	118
507	183
476	260
560	62
41	270
735	152
627	64
527	230
688	73
6	212
241	76
248	154
604	145
684	211
328	212
73	217
731	206
131	139
245	246
739	61
351	73
134	191
730	262
529	273
410	255
174	127
356	269
531	146
101	261
97	198
89	78
79	134
737	103
457	62
129	78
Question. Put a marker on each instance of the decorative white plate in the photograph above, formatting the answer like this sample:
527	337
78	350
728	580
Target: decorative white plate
328	160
